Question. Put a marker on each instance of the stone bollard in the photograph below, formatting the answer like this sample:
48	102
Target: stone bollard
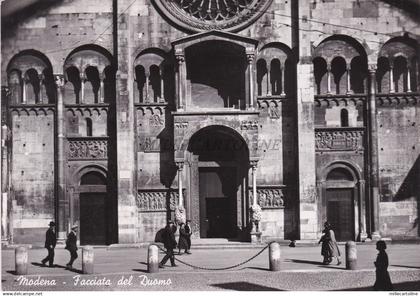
351	255
21	261
87	260
152	259
274	256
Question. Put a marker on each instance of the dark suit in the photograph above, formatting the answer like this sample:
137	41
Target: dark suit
170	244
71	246
50	242
188	232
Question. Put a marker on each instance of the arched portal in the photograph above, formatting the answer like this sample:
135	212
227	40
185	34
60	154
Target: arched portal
219	159
343	202
93	208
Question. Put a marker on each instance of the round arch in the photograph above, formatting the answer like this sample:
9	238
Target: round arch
363	48
342	203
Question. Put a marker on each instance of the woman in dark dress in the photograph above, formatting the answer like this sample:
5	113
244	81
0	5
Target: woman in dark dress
329	248
183	239
383	280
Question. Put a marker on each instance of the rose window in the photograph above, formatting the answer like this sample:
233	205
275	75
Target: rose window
203	15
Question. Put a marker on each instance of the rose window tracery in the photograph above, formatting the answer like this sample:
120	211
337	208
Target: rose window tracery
203	15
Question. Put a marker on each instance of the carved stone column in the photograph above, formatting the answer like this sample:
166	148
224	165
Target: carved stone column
348	72
61	203
102	89
41	85
161	97
283	79
268	79
250	58
180	166
82	87
391	78
254	183
180	74
373	153
408	78
329	78
24	98
362	215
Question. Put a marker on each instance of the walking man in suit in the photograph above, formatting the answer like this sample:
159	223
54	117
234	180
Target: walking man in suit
71	246
50	242
169	243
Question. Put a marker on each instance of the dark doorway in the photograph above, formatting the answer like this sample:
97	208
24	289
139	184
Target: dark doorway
340	212
217	202
93	219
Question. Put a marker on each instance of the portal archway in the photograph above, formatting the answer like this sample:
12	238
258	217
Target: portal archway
217	203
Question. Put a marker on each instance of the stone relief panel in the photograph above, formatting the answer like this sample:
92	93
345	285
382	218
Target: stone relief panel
269	198
87	149
156	200
339	140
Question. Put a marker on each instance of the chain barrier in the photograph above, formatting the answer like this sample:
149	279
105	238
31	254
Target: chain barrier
220	268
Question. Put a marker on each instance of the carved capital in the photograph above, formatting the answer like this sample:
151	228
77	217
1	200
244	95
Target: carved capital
372	68
250	57
179	165
82	76
59	80
253	164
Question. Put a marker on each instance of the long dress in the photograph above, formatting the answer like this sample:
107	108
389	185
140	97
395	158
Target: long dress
183	239
383	280
329	247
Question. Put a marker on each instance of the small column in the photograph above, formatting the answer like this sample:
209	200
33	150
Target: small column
180	166
161	96
41	85
82	87
181	60
373	136
102	89
60	188
348	72
254	183
408	78
391	79
147	87
24	99
329	78
250	58
268	80
283	79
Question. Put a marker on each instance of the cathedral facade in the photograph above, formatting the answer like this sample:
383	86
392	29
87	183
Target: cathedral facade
118	113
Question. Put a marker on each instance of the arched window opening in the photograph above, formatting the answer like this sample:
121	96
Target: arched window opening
74	83
15	88
400	74
89	127
320	70
344	117
92	85
358	74
49	91
413	74
338	68
155	83
262	84
109	84
93	178
140	82
275	73
32	86
382	75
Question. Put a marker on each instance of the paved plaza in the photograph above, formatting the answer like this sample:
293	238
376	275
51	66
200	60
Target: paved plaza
301	270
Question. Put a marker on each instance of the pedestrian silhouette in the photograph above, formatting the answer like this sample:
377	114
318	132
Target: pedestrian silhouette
383	281
329	247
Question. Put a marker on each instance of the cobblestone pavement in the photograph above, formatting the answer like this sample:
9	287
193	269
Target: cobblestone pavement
301	270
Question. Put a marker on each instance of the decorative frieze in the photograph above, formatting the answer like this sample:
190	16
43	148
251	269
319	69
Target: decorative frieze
87	149
181	125
269	197
156	200
397	99
339	100
339	140
88	110
37	110
156	120
249	125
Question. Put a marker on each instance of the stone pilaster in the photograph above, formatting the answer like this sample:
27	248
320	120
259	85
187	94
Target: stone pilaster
127	209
